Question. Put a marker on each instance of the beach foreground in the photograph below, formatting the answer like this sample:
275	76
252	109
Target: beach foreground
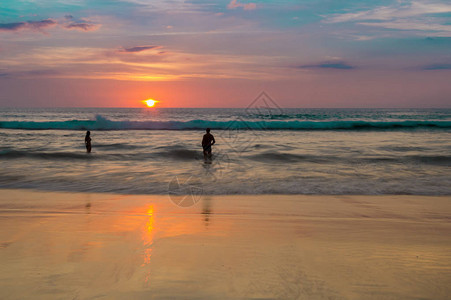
107	246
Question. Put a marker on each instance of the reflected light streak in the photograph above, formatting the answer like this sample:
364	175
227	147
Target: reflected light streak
148	235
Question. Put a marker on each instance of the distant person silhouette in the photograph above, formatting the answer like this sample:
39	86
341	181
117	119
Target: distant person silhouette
88	141
207	142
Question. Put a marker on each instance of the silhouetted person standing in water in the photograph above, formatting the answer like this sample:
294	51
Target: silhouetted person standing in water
88	141
207	142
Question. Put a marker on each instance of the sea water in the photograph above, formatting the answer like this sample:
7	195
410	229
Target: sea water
283	151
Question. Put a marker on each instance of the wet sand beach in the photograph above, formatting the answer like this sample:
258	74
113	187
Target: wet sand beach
56	245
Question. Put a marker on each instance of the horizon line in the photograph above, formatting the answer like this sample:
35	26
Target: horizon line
152	108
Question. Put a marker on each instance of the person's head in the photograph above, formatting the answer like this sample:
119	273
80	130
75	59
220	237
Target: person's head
208	130
88	133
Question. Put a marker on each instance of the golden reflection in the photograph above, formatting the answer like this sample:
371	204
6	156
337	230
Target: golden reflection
148	234
147	237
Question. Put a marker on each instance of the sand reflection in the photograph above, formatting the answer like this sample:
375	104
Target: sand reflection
148	235
206	210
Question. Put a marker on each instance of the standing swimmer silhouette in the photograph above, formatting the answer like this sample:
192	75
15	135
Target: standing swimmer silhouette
88	141
207	142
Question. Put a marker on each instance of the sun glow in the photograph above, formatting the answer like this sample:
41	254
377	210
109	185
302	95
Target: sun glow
150	102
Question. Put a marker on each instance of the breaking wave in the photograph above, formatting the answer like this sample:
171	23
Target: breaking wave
101	123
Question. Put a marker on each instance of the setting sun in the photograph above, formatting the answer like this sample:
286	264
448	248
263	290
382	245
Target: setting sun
150	102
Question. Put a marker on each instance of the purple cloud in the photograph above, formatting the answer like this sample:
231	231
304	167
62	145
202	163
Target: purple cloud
81	26
139	48
39	25
443	66
32	25
32	73
340	65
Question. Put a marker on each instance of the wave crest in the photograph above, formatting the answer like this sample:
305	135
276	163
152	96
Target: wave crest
101	123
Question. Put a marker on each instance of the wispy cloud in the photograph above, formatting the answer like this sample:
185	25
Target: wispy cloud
398	11
30	73
328	64
138	48
412	16
82	26
443	66
410	25
67	23
246	6
30	25
98	63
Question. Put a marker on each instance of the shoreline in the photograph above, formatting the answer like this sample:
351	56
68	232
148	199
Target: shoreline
115	246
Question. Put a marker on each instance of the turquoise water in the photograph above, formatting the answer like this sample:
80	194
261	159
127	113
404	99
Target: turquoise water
258	151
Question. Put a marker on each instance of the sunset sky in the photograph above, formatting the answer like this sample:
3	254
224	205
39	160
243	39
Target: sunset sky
305	53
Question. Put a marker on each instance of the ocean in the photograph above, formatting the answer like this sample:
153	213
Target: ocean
257	151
